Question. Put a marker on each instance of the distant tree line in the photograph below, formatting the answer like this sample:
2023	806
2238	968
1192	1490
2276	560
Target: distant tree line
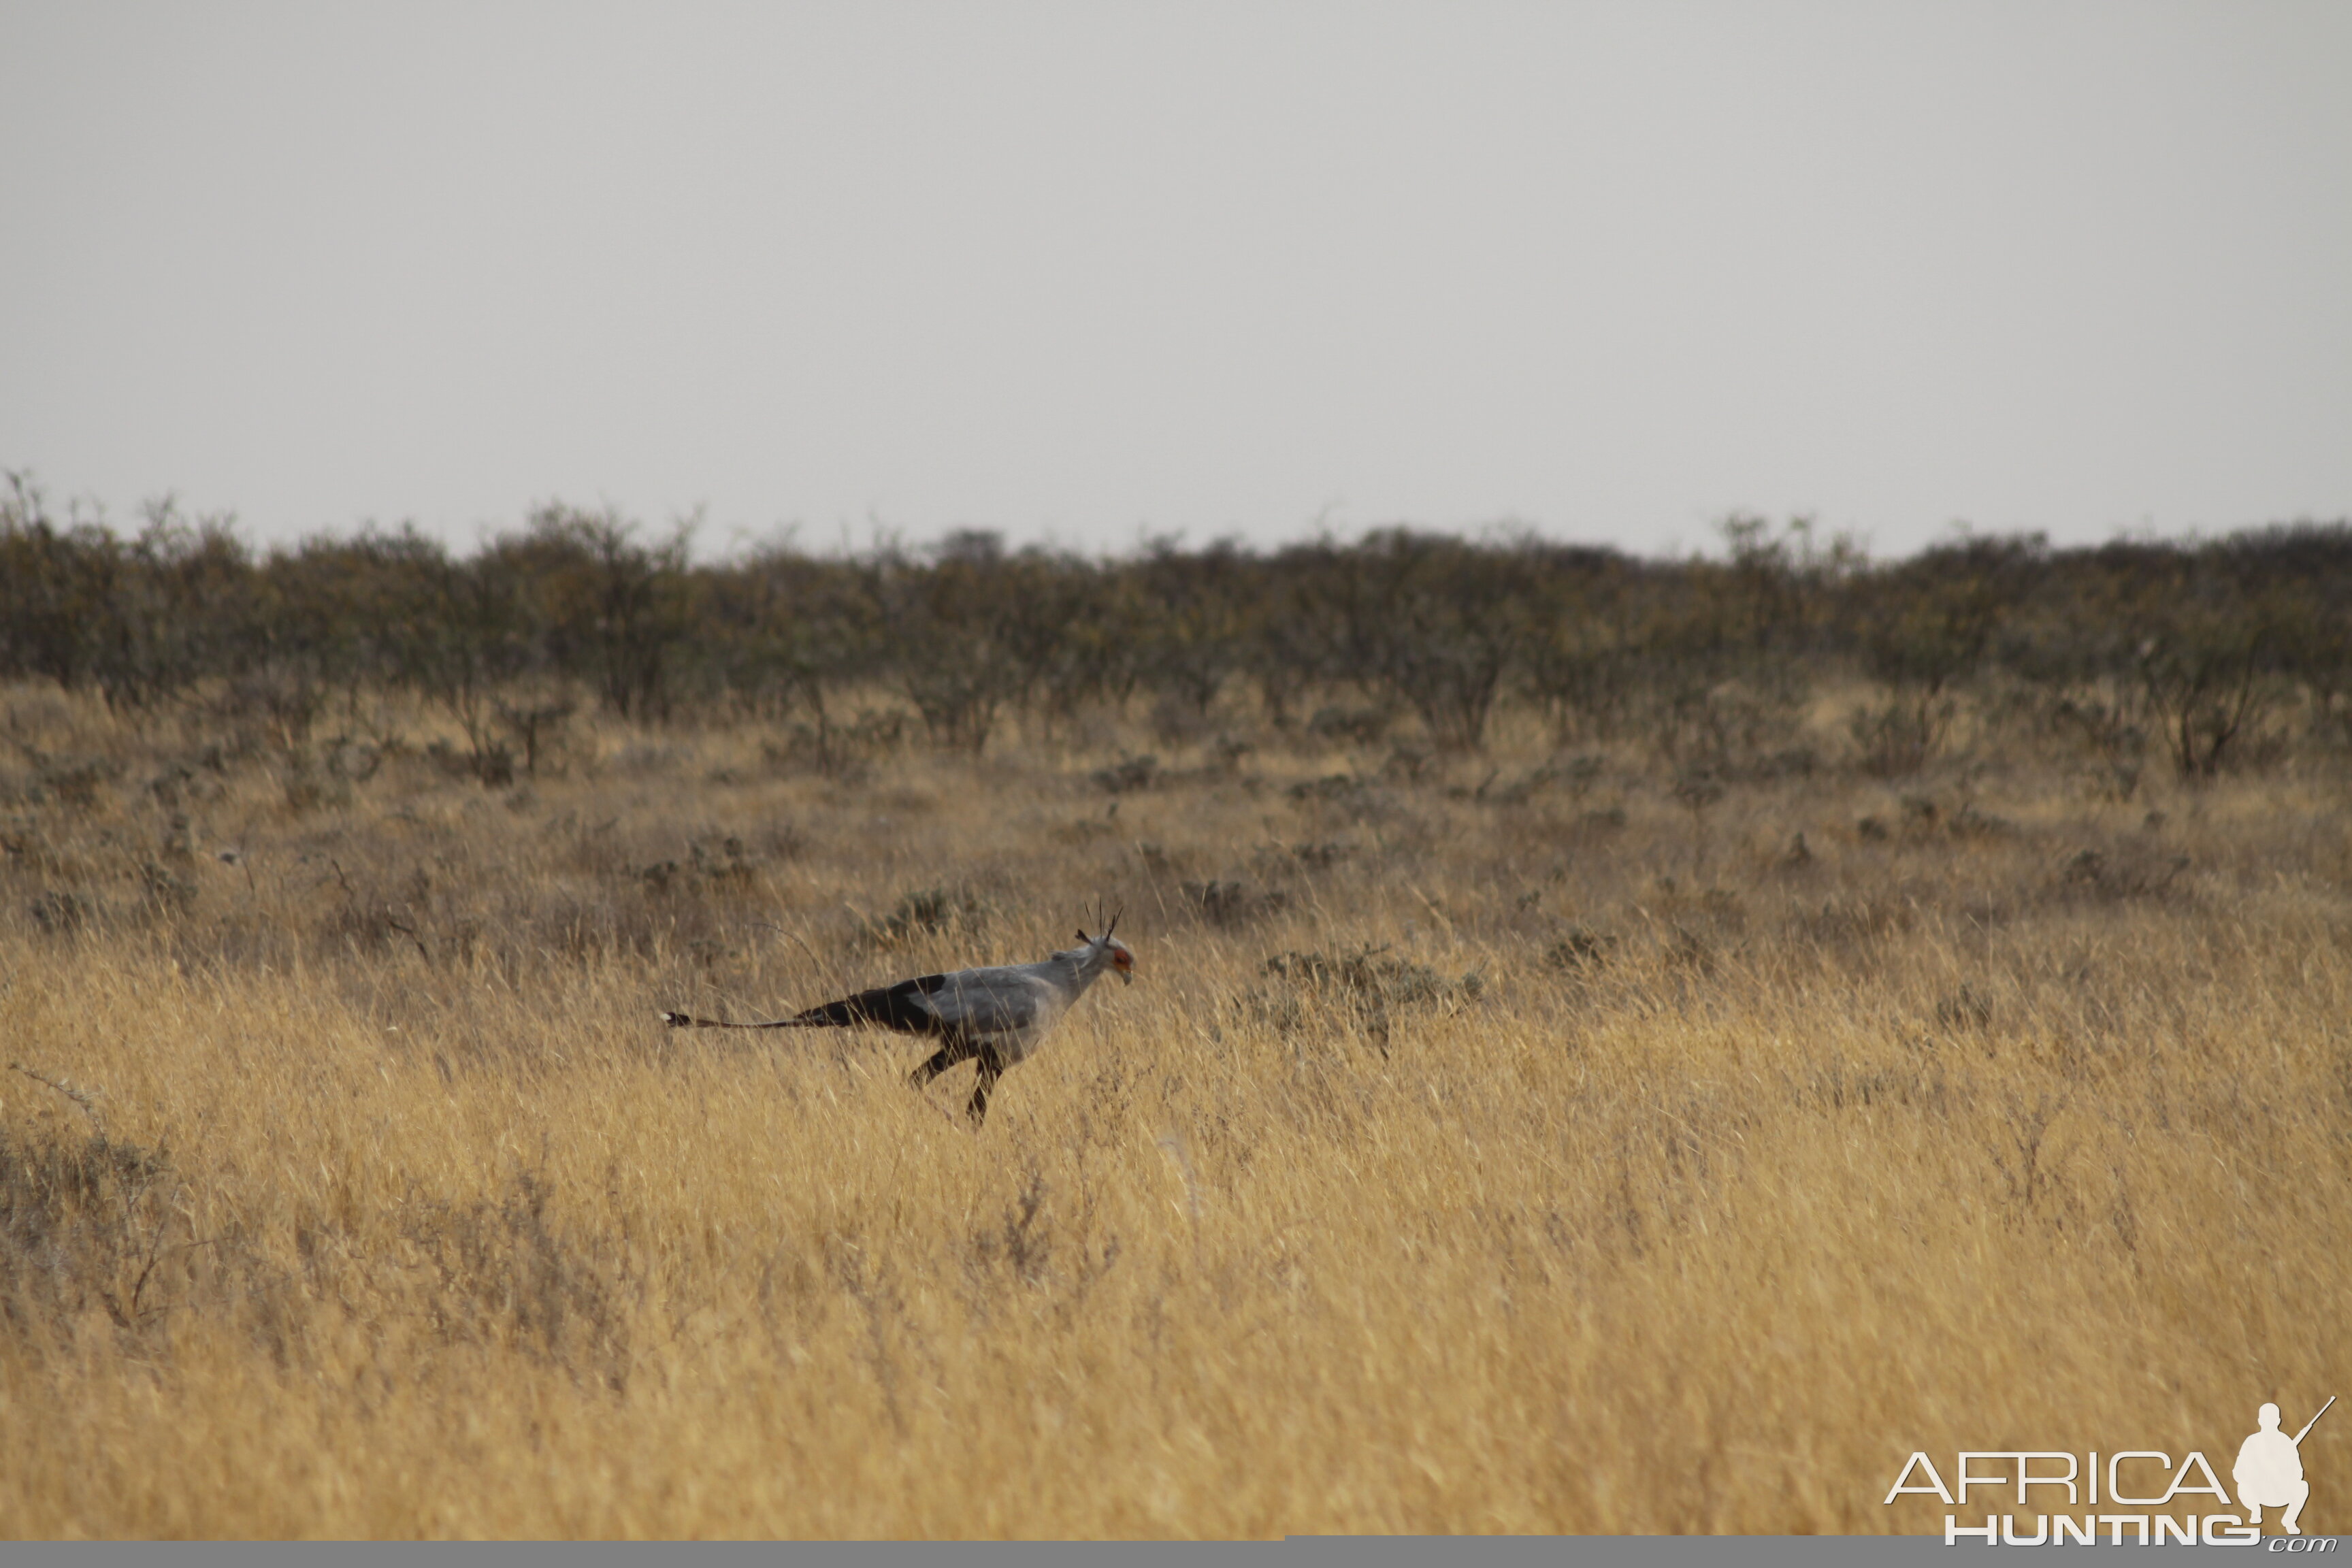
2177	649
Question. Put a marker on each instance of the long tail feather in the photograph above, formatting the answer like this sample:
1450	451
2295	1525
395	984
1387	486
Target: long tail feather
687	1021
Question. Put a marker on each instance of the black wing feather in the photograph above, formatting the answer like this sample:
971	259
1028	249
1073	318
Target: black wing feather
901	1007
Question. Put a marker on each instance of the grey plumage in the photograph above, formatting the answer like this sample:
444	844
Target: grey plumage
997	1015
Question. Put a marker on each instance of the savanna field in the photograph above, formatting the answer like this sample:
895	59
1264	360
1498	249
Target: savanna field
1618	1045
1517	1140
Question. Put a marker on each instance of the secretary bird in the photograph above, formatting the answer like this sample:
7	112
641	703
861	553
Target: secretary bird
998	1015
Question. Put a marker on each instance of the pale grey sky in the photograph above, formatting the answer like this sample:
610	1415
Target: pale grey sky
1081	271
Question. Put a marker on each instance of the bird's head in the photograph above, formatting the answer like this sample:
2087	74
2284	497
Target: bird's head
1108	950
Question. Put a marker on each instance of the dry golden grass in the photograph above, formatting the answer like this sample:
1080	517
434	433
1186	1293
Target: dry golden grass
1727	1180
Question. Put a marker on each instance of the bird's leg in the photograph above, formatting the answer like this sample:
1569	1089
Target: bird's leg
991	1068
939	1061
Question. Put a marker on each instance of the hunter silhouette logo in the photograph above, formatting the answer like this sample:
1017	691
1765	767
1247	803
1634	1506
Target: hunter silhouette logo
2269	1471
2268	1475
